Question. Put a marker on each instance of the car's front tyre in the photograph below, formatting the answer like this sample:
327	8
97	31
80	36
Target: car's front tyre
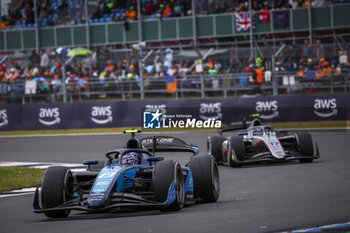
305	146
55	190
214	147
236	150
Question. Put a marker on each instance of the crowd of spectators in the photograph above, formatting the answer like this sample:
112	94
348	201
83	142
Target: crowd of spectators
98	70
53	12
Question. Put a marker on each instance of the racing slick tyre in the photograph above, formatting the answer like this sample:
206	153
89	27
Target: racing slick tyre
164	173
236	150
305	146
214	146
206	180
55	190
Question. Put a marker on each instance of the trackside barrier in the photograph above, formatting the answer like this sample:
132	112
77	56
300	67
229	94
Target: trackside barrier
129	113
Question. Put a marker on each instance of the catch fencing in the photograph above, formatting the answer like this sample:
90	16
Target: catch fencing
188	86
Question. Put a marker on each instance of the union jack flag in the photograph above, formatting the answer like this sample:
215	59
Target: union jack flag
243	21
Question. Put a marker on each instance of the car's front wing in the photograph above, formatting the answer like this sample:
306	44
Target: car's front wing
118	200
267	157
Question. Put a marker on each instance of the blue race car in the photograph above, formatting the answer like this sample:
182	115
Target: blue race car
131	177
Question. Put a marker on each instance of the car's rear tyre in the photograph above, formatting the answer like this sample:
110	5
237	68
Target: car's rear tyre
206	179
305	146
164	173
236	150
55	190
214	146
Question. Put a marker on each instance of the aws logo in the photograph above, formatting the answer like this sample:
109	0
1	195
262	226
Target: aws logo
49	116
3	118
101	114
269	108
155	107
210	111
325	107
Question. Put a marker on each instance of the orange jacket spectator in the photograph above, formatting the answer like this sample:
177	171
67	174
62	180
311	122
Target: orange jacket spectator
259	76
110	66
3	76
13	74
300	73
3	25
131	13
131	67
209	64
167	11
325	72
335	71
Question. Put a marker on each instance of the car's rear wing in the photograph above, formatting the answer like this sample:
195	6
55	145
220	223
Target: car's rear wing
243	124
236	125
167	144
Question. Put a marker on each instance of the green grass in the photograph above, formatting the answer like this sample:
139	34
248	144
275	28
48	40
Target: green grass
12	178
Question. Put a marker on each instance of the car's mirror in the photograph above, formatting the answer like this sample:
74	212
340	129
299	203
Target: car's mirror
155	159
90	162
242	133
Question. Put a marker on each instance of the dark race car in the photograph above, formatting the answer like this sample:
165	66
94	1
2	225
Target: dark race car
260	143
131	177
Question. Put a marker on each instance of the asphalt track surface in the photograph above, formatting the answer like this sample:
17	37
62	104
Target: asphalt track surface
256	198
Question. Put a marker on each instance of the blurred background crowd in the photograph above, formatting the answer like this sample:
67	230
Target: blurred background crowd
316	57
21	13
100	69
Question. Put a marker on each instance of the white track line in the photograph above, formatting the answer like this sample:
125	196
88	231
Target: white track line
326	228
85	134
41	165
20	192
15	194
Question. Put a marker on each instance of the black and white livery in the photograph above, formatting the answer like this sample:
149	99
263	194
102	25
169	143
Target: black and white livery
260	143
131	177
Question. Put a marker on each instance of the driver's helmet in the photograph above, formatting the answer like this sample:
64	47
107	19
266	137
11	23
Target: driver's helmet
130	158
258	132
